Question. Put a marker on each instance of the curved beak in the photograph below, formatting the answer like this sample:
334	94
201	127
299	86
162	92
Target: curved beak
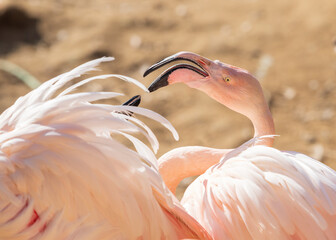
134	101
161	81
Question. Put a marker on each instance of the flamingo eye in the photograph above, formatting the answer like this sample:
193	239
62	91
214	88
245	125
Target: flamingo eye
227	79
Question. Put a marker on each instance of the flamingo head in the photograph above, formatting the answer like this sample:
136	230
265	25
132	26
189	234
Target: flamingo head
234	87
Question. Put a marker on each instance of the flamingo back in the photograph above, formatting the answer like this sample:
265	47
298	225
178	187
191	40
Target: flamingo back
263	193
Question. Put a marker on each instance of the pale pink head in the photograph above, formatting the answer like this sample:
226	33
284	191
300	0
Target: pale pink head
234	87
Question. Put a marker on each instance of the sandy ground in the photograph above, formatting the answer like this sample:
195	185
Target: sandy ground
289	45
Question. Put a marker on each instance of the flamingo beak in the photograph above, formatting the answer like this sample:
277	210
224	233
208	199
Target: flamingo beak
134	101
162	80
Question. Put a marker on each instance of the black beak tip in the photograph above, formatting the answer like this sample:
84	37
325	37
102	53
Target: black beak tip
158	83
152	88
148	71
134	101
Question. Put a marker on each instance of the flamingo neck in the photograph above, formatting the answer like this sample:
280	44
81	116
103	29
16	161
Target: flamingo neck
263	125
184	162
258	113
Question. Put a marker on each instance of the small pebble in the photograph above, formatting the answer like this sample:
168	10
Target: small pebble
135	41
317	152
327	114
181	10
62	35
265	62
289	93
246	27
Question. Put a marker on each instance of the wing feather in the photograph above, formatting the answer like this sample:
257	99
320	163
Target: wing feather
63	175
263	193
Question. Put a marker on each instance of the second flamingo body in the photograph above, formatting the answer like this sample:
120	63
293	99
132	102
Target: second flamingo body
254	191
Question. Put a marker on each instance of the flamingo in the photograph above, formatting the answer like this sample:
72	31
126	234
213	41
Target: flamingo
254	191
63	175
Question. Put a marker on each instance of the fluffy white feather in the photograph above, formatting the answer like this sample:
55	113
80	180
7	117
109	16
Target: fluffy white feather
63	176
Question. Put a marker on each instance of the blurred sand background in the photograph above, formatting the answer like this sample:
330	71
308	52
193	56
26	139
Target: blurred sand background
289	45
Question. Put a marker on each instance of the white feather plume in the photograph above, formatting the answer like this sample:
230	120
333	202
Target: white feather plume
58	159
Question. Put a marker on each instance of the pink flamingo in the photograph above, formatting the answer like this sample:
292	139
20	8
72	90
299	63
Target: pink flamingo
254	191
63	176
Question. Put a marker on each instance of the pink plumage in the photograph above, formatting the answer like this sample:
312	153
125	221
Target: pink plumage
64	176
253	192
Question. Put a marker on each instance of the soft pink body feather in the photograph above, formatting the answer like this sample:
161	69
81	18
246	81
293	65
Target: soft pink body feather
253	192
